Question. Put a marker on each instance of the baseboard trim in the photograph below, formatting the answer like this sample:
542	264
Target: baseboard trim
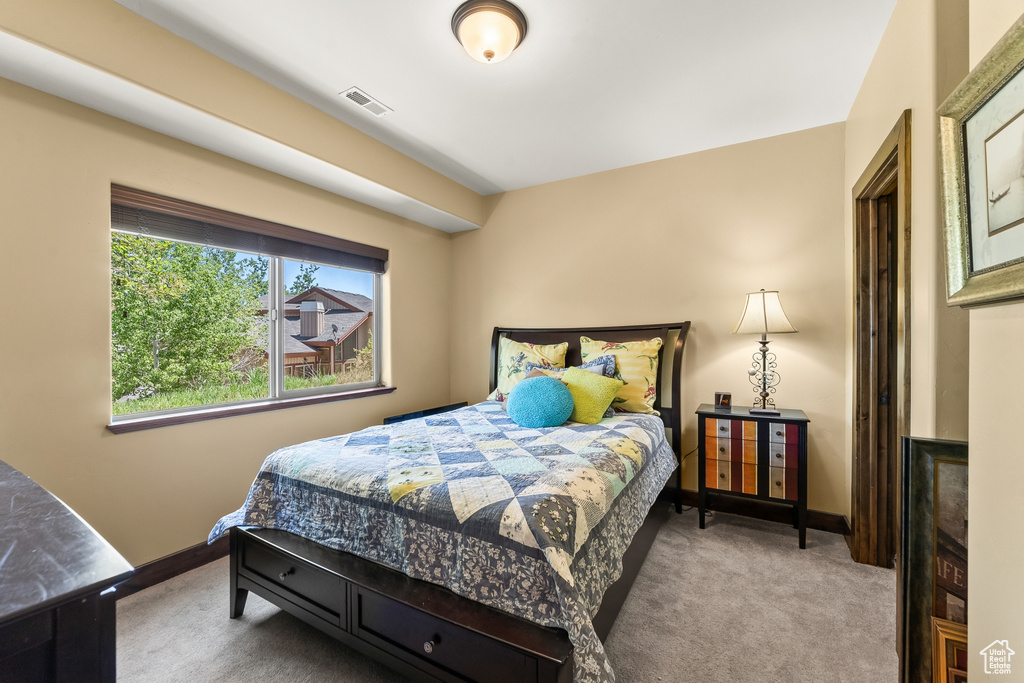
816	519
172	565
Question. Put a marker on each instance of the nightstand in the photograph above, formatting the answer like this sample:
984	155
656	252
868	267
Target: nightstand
761	459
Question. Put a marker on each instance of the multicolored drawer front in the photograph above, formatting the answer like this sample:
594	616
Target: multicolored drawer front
730	429
783	483
784	455
783	460
730	451
731	475
760	458
718	475
739	450
783	433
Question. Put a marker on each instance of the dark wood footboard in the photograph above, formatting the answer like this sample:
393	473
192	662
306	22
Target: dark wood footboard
421	630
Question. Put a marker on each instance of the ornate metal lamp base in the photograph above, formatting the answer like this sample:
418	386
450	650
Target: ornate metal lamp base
764	377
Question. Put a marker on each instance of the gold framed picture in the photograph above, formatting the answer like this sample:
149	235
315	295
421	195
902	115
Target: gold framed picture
981	129
949	651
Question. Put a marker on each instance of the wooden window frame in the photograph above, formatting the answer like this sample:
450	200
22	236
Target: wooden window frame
140	199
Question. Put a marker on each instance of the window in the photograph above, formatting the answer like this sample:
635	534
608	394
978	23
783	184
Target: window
216	313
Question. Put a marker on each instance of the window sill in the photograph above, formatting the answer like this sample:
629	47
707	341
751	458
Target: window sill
135	424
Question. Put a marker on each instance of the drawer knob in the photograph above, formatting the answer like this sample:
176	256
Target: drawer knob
721	449
722	475
429	646
285	574
778	455
778	483
722	429
778	434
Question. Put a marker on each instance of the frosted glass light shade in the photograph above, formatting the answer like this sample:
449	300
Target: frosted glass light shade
762	313
489	31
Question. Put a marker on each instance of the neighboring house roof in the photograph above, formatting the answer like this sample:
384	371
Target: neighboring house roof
339	322
293	347
345	321
356	302
349	300
289	309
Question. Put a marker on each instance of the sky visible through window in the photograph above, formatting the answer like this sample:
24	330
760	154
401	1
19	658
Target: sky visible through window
355	281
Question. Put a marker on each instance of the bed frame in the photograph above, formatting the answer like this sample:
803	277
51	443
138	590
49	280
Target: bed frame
424	631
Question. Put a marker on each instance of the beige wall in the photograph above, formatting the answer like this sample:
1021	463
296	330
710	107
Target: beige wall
921	58
105	35
155	492
995	553
672	240
995	505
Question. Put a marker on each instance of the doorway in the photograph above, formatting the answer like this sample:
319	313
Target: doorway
881	387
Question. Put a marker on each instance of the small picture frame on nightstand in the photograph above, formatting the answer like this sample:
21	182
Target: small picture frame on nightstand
723	400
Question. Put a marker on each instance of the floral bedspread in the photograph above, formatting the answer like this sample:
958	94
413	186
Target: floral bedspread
530	521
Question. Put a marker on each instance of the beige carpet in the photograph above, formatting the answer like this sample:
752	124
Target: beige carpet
738	601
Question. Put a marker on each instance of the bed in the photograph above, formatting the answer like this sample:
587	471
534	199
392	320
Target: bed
461	546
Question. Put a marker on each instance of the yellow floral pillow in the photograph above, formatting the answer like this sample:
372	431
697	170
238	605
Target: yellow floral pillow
636	364
513	357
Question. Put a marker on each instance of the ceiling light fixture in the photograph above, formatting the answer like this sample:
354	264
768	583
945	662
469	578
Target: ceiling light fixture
489	29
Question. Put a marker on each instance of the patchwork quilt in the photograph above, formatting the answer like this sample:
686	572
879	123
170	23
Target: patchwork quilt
530	521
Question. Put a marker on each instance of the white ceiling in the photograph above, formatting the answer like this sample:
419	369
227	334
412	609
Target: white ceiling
596	84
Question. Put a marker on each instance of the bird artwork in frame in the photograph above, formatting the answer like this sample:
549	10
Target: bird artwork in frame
981	144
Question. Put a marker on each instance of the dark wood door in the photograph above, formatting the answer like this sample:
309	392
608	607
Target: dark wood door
875	531
881	395
884	343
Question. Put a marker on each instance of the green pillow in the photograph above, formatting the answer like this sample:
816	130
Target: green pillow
591	394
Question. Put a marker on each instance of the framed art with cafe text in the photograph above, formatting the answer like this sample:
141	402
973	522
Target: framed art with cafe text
933	553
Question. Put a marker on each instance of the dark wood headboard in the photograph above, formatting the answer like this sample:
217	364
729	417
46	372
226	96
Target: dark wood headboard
671	414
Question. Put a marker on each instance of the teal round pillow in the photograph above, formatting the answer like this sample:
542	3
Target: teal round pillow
539	402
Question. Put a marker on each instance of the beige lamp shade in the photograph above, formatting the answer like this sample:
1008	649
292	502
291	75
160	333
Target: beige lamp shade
762	313
489	31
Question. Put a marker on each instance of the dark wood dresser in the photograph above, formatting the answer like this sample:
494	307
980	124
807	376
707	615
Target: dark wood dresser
759	458
57	613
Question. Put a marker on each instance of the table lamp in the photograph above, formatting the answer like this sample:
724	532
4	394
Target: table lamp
762	313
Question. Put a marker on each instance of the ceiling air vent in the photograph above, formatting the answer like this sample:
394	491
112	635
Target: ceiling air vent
358	97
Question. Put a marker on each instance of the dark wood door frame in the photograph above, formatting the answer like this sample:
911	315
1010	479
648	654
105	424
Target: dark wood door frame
881	379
